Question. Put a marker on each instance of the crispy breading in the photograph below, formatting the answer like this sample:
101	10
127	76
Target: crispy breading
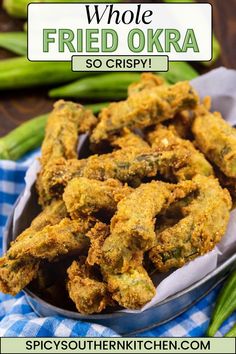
87	196
88	293
216	139
203	223
133	225
118	214
97	236
128	139
147	82
51	215
15	274
53	241
65	122
66	237
165	138
144	109
126	165
132	289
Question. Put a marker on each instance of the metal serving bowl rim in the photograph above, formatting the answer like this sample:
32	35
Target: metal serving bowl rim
117	314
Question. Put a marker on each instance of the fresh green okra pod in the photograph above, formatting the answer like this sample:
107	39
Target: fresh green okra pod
29	135
225	305
16	73
179	71
15	42
231	333
107	86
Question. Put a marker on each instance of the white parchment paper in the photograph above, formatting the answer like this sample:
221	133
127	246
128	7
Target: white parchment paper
220	84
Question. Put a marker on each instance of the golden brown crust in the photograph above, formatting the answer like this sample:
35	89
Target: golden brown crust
203	223
83	196
126	165
66	121
144	109
133	226
147	82
89	294
165	138
216	139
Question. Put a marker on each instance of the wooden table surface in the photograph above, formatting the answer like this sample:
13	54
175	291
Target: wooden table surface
18	106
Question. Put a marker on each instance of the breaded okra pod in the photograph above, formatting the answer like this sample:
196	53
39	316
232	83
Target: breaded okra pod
65	238
132	289
203	222
147	82
16	274
51	215
89	294
126	165
65	122
216	139
143	109
166	138
129	139
133	225
83	196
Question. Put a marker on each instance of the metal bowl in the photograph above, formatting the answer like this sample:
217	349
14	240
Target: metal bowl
121	322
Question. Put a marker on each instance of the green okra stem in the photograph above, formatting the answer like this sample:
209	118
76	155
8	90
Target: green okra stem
29	135
107	86
225	305
179	71
19	73
231	333
15	42
26	137
113	86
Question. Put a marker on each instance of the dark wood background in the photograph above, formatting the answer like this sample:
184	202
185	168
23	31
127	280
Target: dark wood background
18	106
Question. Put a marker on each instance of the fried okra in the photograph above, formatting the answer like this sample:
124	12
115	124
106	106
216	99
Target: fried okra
129	139
133	288
147	82
133	225
15	274
83	196
216	139
126	165
118	214
144	109
165	138
53	241
202	224
66	121
89	294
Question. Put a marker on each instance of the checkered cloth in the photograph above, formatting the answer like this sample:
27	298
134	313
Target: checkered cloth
17	319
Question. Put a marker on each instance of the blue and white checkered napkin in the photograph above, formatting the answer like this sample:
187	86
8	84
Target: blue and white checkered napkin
17	319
